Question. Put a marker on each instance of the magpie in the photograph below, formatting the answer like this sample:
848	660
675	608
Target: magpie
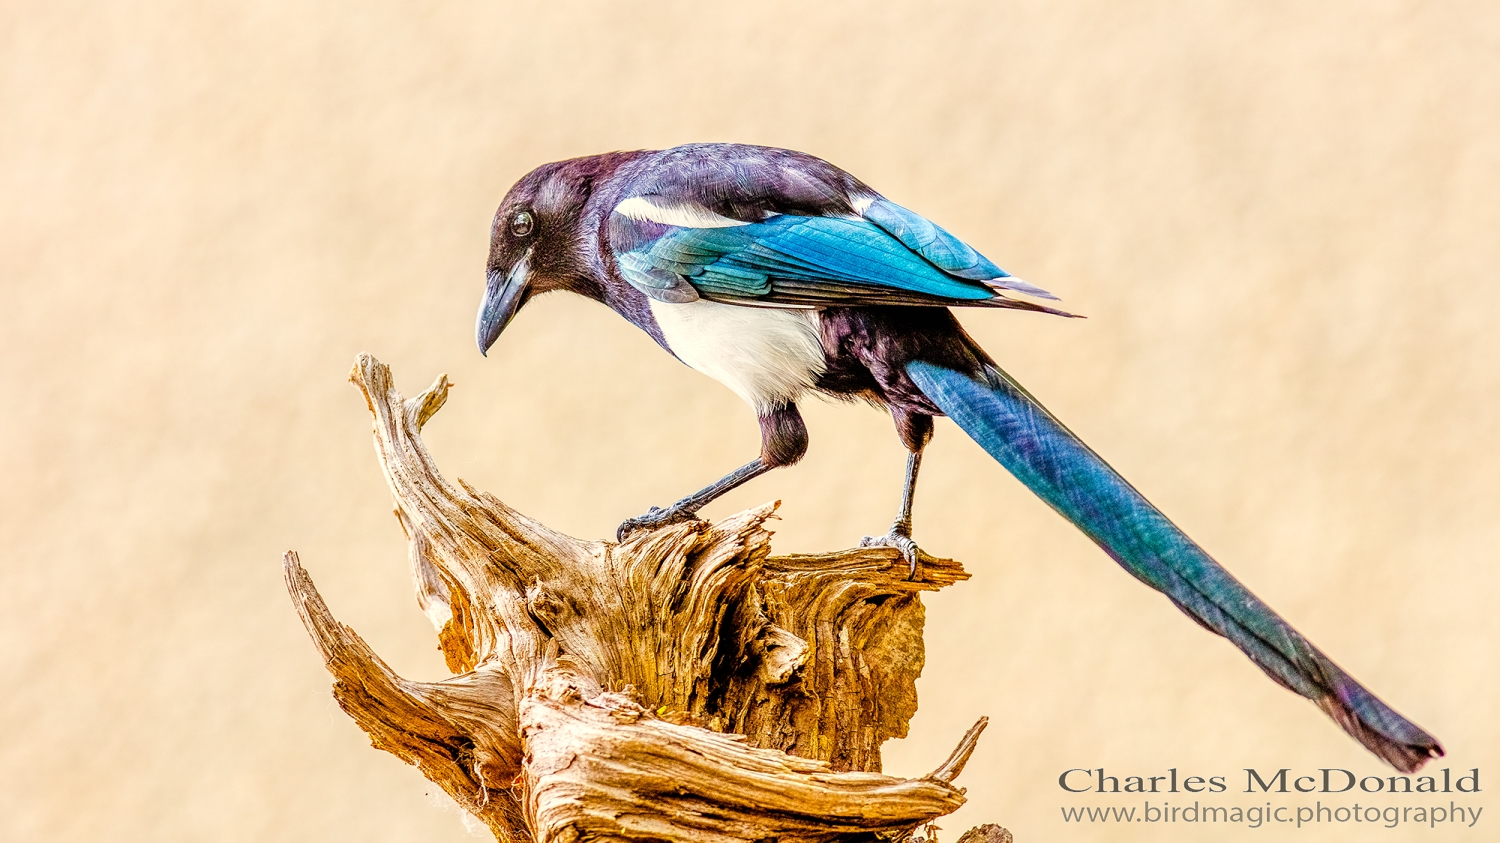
778	274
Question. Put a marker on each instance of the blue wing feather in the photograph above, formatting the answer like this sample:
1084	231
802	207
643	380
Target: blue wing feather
747	226
924	237
745	261
655	281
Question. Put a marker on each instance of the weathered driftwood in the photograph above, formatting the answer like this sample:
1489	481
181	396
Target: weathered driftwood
684	685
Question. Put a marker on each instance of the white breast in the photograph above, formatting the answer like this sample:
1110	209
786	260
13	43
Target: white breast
767	355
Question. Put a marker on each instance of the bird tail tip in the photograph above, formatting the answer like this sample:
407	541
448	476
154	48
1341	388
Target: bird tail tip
1391	737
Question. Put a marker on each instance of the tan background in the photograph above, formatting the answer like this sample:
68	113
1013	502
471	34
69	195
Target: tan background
1281	220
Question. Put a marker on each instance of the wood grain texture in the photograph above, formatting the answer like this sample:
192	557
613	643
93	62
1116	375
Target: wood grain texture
683	685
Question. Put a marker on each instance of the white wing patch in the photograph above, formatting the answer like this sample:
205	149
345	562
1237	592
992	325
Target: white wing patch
766	355
681	214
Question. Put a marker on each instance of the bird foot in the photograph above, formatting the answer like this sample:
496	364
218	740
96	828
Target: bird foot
654	518
902	541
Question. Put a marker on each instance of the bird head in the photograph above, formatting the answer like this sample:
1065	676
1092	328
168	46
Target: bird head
536	240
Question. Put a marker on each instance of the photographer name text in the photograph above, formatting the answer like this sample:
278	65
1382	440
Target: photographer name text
1283	780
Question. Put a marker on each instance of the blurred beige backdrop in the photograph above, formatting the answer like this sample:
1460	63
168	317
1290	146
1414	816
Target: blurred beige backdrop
1281	219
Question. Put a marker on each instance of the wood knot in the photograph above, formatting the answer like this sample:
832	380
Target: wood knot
545	606
781	654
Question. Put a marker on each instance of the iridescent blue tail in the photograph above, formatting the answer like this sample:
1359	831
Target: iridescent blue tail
1043	454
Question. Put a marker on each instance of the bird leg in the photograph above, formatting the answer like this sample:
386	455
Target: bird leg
783	441
687	508
899	536
915	430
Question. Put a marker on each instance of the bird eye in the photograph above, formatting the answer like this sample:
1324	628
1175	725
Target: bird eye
522	224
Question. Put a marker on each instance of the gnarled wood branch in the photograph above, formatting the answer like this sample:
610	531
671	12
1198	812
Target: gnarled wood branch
683	685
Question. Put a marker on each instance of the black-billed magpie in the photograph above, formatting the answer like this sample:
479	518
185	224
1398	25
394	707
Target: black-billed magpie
778	274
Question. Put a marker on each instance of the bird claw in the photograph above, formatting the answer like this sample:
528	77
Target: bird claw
655	517
902	541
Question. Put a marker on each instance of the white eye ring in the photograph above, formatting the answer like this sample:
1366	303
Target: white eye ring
522	223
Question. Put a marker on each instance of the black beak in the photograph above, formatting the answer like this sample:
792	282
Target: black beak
502	296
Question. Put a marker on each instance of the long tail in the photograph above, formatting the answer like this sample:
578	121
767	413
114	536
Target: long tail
1022	436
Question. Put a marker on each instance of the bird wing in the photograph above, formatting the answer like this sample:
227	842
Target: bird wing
866	250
